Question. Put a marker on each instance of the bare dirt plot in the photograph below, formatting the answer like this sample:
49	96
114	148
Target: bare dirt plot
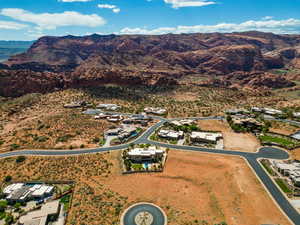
232	141
295	153
283	128
184	96
198	186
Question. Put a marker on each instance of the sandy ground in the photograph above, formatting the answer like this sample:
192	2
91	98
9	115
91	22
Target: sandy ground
232	141
201	186
295	154
184	96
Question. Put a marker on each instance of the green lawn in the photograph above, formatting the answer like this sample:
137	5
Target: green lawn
66	201
137	166
283	186
284	141
268	168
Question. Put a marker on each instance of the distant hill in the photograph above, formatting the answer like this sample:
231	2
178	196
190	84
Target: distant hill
10	48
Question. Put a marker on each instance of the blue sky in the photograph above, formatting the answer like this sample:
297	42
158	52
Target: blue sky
30	19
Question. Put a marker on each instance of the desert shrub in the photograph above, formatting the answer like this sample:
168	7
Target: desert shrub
14	146
41	126
64	138
96	140
40	138
7	179
20	159
17	104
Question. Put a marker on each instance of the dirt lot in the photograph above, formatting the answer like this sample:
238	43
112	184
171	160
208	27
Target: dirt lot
232	141
295	154
201	187
283	128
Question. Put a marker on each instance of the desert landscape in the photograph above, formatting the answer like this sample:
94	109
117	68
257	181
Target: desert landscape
165	112
188	190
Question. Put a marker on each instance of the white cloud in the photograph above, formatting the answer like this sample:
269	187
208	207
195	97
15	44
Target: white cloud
189	3
9	25
75	0
275	26
35	34
267	18
114	8
54	20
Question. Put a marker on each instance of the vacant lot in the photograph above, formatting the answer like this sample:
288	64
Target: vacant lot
201	187
283	128
232	141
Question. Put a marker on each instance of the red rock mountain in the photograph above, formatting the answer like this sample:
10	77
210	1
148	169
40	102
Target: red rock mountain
237	59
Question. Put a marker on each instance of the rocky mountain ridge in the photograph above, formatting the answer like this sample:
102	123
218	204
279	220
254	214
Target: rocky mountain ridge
233	60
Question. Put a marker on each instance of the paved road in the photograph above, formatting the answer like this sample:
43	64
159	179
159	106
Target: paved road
266	152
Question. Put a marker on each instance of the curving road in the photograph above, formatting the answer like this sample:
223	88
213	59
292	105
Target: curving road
252	159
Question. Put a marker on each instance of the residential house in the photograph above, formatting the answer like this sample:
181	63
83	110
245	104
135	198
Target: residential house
257	109
145	154
142	119
296	114
272	112
127	132
247	122
122	132
41	216
206	137
156	111
186	122
170	134
21	192
115	118
114	131
109	107
102	115
291	170
76	104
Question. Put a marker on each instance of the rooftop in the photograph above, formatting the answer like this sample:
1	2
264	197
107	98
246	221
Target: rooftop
206	136
39	217
151	151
